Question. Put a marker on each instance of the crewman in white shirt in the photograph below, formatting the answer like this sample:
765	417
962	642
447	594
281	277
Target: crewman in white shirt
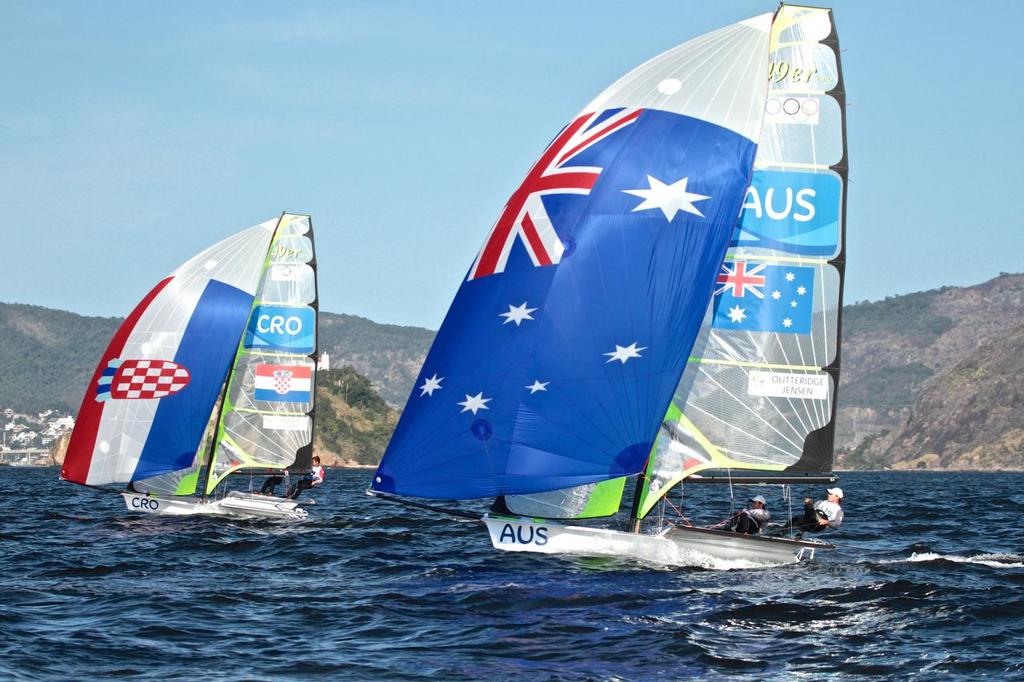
314	478
827	513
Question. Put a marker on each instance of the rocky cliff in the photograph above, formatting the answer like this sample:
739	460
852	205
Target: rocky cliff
929	379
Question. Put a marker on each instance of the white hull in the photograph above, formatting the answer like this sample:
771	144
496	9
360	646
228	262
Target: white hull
239	504
673	547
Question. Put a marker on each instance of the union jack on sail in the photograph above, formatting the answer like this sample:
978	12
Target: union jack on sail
525	217
741	280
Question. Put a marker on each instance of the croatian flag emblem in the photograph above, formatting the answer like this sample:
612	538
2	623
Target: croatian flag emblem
140	380
283	383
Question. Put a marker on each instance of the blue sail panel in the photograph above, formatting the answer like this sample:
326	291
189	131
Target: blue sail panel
562	349
206	349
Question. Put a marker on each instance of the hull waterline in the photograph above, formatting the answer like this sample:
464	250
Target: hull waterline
244	505
680	546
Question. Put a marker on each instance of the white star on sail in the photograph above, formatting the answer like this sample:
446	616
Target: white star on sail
801	291
430	385
517	314
625	353
737	314
669	198
787	323
776	295
474	403
538	385
792	304
790	276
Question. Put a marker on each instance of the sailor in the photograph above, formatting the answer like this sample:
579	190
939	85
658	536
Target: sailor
753	519
311	480
827	513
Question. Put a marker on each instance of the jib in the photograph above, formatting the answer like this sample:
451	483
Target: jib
524	535
145	503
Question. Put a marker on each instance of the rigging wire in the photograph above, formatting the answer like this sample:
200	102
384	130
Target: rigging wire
420	505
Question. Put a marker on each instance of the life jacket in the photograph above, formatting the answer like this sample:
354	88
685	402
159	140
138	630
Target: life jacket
831	511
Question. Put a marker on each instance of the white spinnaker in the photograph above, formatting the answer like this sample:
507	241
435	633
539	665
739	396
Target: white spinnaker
708	77
126	424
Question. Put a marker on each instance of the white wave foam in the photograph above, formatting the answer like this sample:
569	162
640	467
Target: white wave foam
995	560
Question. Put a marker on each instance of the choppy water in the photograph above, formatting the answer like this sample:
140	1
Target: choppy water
927	581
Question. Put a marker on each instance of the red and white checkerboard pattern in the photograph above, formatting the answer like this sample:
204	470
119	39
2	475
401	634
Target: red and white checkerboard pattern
147	379
283	380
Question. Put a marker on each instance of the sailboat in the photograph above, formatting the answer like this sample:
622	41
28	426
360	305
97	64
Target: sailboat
621	326
226	347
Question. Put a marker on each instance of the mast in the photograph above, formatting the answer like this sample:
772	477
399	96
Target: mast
634	511
305	454
216	429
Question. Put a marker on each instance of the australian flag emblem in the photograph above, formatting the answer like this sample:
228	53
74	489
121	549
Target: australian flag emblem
764	297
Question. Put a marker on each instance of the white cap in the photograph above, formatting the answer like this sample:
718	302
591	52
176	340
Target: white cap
758	498
838	492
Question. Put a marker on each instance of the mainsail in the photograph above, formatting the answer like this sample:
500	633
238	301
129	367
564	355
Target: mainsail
266	420
564	345
759	391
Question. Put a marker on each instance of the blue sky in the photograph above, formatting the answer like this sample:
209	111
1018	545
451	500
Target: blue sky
132	135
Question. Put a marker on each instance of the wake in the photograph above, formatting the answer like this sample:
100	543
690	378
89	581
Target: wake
994	560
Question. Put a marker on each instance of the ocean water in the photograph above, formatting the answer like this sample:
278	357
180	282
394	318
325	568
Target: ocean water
926	582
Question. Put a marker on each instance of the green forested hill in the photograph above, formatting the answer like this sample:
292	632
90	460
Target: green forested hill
48	356
925	383
353	423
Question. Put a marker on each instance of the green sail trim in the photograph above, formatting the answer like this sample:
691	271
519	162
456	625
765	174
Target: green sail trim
605	499
188	484
709	457
589	501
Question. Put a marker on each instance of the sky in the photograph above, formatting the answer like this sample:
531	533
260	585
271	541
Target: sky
133	135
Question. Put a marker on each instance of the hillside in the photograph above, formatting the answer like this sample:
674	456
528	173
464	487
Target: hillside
928	378
389	355
47	356
969	417
353	423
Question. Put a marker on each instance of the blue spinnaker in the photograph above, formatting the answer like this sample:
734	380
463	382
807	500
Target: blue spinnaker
546	376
